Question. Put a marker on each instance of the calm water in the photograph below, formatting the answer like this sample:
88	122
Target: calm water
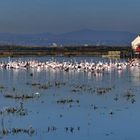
69	105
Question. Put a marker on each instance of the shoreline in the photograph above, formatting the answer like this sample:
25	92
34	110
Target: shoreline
104	51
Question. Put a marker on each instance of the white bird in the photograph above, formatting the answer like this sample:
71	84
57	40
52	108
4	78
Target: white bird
37	94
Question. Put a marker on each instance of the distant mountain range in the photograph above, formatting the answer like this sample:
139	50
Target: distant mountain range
80	37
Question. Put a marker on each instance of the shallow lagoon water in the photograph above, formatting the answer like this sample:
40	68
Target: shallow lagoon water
85	114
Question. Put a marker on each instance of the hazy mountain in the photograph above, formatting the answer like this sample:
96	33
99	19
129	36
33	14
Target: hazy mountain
85	36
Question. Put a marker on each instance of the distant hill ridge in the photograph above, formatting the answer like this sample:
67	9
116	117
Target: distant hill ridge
80	37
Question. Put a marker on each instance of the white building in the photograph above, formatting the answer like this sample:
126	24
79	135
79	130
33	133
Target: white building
136	44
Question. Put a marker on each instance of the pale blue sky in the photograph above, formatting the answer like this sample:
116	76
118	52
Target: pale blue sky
36	16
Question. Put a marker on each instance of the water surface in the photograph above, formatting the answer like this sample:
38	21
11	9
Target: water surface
69	104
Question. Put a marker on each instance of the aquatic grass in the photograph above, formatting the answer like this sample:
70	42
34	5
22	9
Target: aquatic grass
103	90
59	84
82	88
14	89
39	85
20	96
47	85
116	98
24	96
72	129
67	101
33	84
128	95
14	131
20	111
2	87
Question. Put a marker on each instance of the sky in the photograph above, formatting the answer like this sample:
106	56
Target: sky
58	16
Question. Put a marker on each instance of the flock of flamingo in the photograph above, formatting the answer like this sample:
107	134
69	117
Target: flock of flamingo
71	66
